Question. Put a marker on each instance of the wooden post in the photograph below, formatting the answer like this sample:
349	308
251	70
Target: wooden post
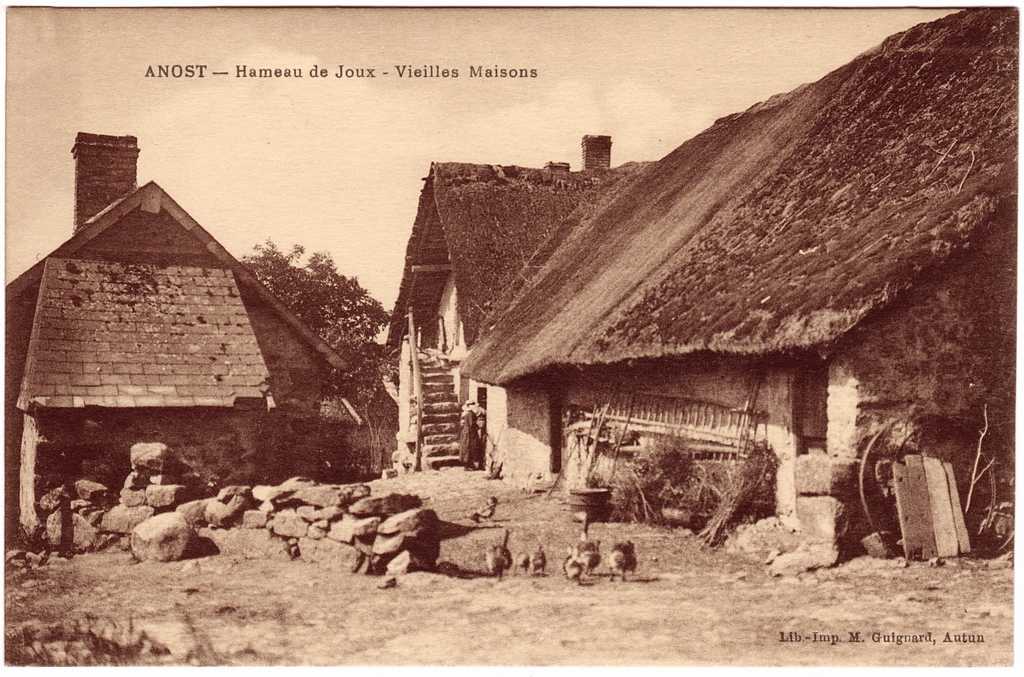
29	442
417	389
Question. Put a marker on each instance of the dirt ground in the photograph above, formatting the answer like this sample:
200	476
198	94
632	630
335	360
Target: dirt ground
686	605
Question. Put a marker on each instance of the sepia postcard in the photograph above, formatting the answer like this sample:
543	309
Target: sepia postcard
520	337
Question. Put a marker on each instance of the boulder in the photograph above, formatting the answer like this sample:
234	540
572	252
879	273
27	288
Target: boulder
288	524
327	495
411	522
807	557
149	456
94	492
165	495
84	533
52	499
194	512
248	543
350	526
316	532
122	519
93	517
296	483
227	493
78	505
389	545
384	506
268	494
326	552
306	512
136	481
224	516
163	538
254	519
132	498
400	564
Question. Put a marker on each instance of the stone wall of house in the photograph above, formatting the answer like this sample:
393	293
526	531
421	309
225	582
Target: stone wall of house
526	442
936	361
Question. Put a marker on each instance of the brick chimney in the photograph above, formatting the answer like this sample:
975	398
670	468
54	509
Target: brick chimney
105	169
597	152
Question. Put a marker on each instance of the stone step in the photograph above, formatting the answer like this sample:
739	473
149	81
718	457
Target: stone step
440	396
441	429
439	388
435	462
440	408
440	450
432	440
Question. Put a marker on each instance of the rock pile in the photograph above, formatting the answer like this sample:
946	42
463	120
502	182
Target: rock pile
328	523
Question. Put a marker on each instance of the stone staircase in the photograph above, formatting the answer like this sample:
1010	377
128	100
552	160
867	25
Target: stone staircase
441	413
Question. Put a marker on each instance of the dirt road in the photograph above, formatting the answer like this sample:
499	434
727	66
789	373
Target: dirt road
687	605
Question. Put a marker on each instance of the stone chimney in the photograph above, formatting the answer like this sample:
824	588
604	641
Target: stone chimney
557	166
105	169
597	152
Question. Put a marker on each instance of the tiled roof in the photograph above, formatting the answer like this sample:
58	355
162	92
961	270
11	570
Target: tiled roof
137	335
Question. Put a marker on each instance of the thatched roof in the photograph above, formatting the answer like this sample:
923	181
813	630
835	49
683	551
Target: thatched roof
781	227
493	226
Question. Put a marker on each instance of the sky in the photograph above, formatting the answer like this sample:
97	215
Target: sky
336	164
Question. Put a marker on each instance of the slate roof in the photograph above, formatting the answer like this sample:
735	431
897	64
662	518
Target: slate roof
139	335
782	227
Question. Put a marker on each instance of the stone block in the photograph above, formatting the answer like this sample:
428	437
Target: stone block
268	494
327	495
132	498
807	557
819	474
224	516
384	506
194	512
84	533
316	532
296	483
254	519
288	524
149	456
822	518
122	519
227	493
306	512
163	538
248	543
328	553
350	527
93	492
136	481
165	495
411	522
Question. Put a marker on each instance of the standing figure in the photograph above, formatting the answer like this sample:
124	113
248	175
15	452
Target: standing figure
467	434
480	446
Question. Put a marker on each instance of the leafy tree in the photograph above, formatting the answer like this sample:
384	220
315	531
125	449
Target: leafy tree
334	306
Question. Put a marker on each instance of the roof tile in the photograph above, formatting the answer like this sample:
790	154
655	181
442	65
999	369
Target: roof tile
101	341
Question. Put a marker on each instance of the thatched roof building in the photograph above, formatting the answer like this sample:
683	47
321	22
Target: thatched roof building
493	227
782	227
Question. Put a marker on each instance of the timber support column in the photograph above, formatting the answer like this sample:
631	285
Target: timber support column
30	439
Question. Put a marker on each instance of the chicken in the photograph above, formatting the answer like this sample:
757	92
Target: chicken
588	553
498	558
622	559
486	512
522	562
538	560
572	567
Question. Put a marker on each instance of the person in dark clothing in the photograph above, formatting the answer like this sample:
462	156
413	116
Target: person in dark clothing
472	436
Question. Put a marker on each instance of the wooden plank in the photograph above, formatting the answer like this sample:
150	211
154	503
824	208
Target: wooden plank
963	538
914	510
942	510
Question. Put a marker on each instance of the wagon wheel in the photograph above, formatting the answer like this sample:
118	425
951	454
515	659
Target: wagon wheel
879	460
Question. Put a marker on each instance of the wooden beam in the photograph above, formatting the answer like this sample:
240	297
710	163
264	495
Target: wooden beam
433	268
29	443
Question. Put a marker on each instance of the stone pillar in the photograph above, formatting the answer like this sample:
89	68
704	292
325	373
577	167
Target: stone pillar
843	401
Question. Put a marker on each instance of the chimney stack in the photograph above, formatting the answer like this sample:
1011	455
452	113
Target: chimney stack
597	152
105	168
